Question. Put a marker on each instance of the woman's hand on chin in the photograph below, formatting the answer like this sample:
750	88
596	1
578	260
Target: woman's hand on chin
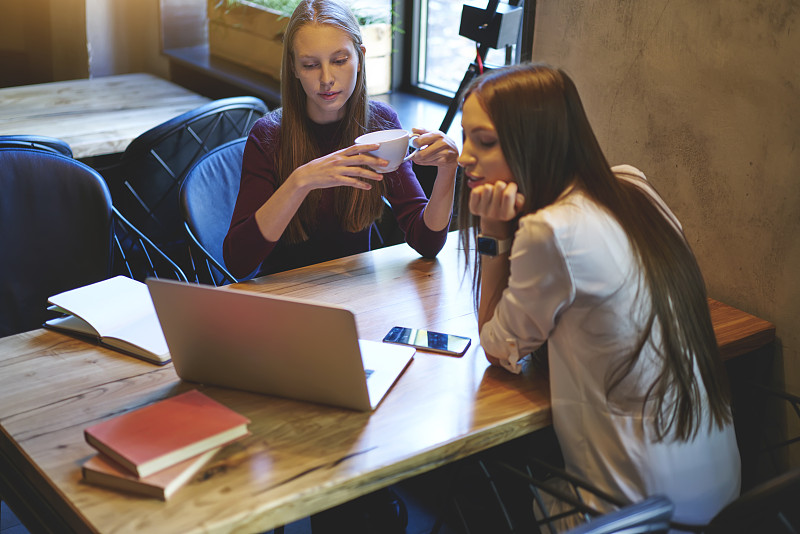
498	202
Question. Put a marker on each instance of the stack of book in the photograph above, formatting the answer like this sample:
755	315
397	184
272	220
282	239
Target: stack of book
155	450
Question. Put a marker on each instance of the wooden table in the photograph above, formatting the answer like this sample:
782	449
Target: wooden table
301	458
96	116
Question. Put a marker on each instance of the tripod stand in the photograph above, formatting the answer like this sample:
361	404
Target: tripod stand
472	71
489	29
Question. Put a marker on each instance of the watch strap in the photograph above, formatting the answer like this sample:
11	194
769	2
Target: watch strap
491	246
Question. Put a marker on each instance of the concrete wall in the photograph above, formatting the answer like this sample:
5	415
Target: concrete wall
704	97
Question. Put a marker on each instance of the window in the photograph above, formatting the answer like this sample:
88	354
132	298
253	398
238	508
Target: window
374	9
437	57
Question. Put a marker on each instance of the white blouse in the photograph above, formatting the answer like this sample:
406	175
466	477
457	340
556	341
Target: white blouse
575	282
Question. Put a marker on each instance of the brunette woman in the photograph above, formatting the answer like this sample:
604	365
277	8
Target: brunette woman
590	259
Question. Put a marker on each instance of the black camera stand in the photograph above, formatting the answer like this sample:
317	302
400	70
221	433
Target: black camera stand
489	29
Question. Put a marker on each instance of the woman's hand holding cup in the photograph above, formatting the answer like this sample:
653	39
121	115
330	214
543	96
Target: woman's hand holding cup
435	149
392	146
346	167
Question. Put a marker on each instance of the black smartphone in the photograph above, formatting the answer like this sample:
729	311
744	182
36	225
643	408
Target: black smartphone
427	340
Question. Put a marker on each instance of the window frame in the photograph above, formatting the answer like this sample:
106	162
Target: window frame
407	15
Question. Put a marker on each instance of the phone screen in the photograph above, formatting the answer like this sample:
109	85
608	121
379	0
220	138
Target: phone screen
427	340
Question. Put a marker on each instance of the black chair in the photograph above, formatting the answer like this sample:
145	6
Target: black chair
651	515
771	506
207	198
36	141
543	477
137	257
144	183
59	231
773	438
386	231
495	491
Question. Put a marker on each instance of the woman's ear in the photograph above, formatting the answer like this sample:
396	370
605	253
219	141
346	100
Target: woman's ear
363	54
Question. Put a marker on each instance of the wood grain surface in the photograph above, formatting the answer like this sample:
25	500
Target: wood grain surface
300	458
95	116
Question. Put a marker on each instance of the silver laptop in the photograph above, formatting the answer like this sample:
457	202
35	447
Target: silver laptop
274	345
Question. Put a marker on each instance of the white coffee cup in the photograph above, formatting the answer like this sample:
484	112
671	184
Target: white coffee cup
393	147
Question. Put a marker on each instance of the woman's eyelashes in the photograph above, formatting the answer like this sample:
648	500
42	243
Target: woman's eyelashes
339	62
483	141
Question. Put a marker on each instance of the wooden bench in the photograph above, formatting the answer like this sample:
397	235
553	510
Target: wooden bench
739	332
746	346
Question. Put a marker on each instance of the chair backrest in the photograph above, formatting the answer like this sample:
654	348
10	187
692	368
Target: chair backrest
55	232
773	506
207	198
145	182
137	257
58	231
651	515
41	142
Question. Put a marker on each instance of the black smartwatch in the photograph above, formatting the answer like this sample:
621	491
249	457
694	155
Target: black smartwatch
491	246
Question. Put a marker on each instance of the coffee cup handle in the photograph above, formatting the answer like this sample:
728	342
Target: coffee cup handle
410	140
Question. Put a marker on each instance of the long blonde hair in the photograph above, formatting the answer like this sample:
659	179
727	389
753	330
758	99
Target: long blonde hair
356	209
549	144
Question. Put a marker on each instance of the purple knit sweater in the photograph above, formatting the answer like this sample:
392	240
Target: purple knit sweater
245	250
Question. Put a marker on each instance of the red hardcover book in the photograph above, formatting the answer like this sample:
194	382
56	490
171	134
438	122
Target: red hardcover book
158	436
103	471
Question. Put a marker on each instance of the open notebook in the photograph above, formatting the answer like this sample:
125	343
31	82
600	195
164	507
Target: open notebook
274	345
117	312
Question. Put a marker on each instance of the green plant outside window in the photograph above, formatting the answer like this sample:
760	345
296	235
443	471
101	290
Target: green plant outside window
286	7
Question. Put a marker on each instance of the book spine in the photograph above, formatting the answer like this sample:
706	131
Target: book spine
111	453
111	482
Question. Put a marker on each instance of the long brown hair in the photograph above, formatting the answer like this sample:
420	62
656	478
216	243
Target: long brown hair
356	209
549	145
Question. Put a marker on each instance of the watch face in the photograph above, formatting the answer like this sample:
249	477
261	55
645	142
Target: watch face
487	246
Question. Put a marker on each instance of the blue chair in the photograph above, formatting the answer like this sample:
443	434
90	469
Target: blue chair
145	182
41	142
207	198
58	231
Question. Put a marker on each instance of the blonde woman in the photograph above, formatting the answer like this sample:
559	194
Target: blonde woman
306	194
